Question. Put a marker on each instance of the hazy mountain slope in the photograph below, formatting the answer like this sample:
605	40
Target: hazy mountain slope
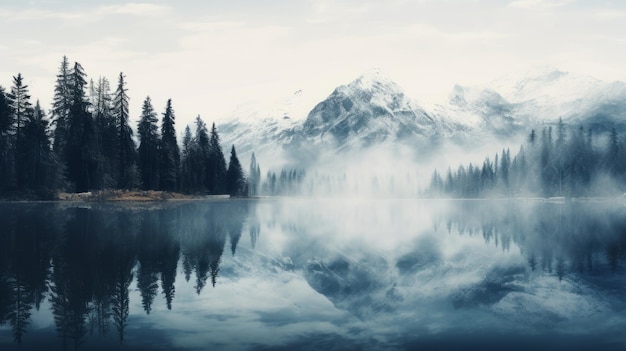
547	95
373	111
370	110
263	127
472	112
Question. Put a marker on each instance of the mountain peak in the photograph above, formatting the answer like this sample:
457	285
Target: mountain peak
371	109
374	80
373	74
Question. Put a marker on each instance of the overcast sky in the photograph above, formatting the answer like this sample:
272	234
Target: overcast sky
210	56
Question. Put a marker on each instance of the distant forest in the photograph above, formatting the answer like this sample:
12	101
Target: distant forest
86	143
571	163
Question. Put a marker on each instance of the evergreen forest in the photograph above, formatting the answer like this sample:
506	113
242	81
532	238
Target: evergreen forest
566	162
85	143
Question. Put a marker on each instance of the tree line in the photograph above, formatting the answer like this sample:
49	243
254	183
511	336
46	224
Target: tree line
86	143
566	162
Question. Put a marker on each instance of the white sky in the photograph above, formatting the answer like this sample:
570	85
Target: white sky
210	56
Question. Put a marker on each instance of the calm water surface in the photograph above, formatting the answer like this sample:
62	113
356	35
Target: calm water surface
314	274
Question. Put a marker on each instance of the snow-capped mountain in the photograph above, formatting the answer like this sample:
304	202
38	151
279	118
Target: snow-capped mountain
470	111
373	110
264	126
370	110
550	94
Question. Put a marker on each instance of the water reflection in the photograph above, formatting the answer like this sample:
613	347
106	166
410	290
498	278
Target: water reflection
84	260
403	271
558	238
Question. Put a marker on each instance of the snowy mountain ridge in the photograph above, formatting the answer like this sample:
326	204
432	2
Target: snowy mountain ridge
369	110
374	110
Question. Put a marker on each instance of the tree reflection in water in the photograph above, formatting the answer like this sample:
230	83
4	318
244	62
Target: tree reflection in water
84	260
554	237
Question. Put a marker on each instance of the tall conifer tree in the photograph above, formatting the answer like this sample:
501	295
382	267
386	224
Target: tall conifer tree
6	155
40	165
254	177
235	178
107	132
216	165
82	150
61	106
186	179
148	146
22	109
201	152
170	154
127	176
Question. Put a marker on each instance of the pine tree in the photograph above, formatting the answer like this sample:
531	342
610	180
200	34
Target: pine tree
449	184
186	178
187	141
216	165
7	169
519	171
22	109
235	179
76	125
254	177
612	155
436	184
170	154
546	163
577	163
127	177
560	134
200	156
561	175
6	115
148	146
40	165
532	137
487	176
82	151
196	173
61	106
505	165
20	104
107	132
496	170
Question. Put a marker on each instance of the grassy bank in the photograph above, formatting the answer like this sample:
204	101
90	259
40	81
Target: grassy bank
133	196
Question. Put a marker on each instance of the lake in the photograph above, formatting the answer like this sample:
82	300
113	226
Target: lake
323	274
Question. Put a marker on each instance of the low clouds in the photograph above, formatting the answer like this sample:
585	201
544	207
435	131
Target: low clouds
137	9
538	4
82	15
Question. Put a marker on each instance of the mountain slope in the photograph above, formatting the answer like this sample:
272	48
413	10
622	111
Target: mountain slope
472	111
263	127
547	95
370	110
373	111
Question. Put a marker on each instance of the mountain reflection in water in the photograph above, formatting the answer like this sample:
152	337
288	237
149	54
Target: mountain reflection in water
332	274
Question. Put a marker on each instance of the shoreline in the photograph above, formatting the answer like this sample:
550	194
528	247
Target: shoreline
121	196
154	197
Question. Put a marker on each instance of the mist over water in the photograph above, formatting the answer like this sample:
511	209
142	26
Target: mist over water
306	273
325	167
